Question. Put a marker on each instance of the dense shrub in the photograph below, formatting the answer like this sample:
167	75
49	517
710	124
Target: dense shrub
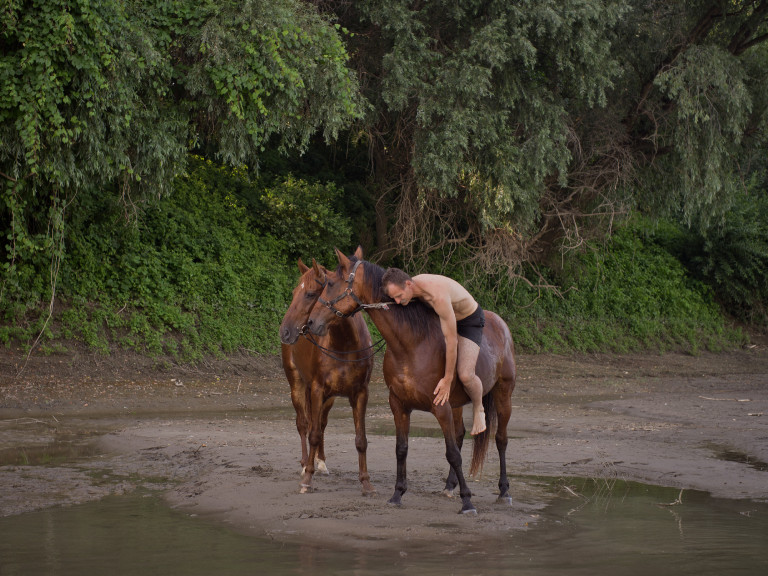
194	273
732	258
626	294
210	269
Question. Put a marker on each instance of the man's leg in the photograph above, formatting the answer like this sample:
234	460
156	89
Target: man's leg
468	352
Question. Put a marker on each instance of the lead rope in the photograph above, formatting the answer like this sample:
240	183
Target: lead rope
330	353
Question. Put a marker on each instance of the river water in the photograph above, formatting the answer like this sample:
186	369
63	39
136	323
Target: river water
624	529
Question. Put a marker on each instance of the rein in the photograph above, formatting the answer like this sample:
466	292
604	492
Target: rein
331	306
330	353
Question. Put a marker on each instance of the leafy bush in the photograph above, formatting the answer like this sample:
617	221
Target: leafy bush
188	277
627	294
201	271
303	216
731	258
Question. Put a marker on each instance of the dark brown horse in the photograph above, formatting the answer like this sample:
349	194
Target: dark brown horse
415	361
342	367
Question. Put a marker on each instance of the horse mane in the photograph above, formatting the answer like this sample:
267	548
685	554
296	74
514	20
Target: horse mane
416	316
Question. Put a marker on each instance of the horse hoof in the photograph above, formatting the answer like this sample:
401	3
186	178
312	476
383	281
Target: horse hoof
505	500
369	490
468	512
321	467
396	503
305	489
448	493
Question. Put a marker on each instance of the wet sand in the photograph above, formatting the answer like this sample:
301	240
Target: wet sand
221	442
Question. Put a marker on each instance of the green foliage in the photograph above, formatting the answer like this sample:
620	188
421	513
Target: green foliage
485	88
261	68
106	98
731	258
712	103
189	277
491	130
517	123
343	166
208	269
629	294
303	215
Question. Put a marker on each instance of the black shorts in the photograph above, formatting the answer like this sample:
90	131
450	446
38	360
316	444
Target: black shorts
471	327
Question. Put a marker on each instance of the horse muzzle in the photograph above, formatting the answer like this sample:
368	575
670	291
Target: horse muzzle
317	328
289	334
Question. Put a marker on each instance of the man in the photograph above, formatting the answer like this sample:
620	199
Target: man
461	320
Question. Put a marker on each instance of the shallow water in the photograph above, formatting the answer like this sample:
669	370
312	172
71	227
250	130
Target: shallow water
593	529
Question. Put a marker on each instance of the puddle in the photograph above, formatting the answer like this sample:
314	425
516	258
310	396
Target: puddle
56	452
742	458
592	529
637	529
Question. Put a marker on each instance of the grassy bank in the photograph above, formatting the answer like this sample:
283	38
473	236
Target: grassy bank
210	269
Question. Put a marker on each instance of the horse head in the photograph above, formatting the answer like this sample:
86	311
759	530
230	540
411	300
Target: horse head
341	295
313	280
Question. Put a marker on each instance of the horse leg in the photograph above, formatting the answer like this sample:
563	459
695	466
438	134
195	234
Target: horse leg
320	465
299	400
316	405
453	455
359	402
458	425
402	427
503	400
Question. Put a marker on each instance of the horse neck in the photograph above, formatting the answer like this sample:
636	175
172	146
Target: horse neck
389	329
345	335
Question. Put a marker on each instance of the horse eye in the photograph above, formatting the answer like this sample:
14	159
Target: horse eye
310	295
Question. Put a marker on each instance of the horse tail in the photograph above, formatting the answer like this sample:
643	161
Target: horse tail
483	440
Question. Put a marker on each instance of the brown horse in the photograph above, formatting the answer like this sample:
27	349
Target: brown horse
415	361
339	363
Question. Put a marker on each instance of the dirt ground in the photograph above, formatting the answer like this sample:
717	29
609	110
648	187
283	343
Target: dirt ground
219	441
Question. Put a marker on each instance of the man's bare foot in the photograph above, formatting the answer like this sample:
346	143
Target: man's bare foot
478	424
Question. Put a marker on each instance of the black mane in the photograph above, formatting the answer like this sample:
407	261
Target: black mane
417	316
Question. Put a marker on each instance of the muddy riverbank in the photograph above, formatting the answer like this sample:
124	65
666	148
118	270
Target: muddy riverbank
219	440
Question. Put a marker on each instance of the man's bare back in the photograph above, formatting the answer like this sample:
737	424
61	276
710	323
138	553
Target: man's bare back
434	287
452	302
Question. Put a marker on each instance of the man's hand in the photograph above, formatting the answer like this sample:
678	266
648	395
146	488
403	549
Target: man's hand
442	391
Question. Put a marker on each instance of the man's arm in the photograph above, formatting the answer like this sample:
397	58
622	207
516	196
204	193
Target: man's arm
444	310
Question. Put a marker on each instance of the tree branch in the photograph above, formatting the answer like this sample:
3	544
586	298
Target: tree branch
697	33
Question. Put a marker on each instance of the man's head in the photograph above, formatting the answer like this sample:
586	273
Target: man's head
397	285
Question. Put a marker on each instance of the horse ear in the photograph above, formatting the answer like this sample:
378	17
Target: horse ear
302	267
317	267
343	260
359	253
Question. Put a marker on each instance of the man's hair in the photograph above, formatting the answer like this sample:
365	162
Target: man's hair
394	276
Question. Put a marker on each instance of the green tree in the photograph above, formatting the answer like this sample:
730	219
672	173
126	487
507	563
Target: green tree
518	127
107	97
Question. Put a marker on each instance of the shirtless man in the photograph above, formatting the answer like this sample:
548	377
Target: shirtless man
461	320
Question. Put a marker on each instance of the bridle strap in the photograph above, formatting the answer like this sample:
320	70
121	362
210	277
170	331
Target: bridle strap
331	305
331	353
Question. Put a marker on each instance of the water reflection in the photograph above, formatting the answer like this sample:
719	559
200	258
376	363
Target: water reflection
594	529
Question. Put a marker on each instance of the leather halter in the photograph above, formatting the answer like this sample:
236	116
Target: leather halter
348	292
331	305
